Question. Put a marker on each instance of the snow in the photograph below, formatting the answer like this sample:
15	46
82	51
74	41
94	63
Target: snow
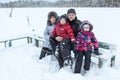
21	62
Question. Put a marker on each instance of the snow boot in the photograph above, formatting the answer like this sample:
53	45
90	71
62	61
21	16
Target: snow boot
84	72
49	52
43	52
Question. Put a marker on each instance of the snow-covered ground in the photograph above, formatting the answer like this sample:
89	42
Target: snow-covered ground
21	62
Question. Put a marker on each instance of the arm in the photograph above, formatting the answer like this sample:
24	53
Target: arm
70	33
53	34
96	45
46	33
94	41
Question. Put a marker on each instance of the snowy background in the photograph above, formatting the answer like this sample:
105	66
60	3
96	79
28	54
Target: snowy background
6	1
21	62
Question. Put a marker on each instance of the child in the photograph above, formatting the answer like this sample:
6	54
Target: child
85	41
51	22
64	30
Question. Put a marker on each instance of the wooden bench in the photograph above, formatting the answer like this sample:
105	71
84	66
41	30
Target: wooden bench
107	50
30	39
108	53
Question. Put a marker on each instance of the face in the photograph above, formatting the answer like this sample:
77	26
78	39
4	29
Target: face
86	28
71	16
53	19
62	21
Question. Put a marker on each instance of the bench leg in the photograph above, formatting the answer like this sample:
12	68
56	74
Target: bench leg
36	42
100	63
5	43
10	43
112	61
29	40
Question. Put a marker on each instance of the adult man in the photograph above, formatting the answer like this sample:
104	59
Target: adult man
75	24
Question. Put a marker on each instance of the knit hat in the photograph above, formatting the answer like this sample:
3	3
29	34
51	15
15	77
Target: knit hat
86	22
71	11
63	16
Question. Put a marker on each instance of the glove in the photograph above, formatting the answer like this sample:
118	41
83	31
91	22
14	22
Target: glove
96	51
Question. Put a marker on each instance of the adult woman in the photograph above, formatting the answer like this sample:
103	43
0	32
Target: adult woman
51	22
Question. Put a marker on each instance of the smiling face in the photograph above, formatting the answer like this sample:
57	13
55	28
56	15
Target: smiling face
86	27
53	19
62	20
71	16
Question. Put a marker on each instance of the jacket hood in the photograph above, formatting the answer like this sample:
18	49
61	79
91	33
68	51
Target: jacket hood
50	14
85	22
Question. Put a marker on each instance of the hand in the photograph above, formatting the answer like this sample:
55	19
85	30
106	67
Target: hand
73	40
96	51
91	44
59	38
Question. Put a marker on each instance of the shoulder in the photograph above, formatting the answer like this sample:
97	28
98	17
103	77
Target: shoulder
79	33
67	26
58	24
92	33
78	22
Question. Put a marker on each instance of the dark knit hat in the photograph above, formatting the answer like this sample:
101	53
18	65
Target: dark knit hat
63	16
71	11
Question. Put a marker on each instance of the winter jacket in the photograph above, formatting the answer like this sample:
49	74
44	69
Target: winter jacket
64	31
75	24
47	33
84	39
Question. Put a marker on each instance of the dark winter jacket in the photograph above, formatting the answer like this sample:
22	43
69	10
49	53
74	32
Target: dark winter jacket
75	24
64	31
85	38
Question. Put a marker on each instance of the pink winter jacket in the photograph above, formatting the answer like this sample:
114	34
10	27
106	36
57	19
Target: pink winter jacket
84	40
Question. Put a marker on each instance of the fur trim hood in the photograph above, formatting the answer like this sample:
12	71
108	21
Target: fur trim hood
50	14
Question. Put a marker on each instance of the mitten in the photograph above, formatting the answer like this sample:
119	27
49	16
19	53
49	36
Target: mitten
96	51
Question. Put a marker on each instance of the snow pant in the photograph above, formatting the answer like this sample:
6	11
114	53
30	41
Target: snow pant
64	51
45	51
53	44
74	50
79	61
